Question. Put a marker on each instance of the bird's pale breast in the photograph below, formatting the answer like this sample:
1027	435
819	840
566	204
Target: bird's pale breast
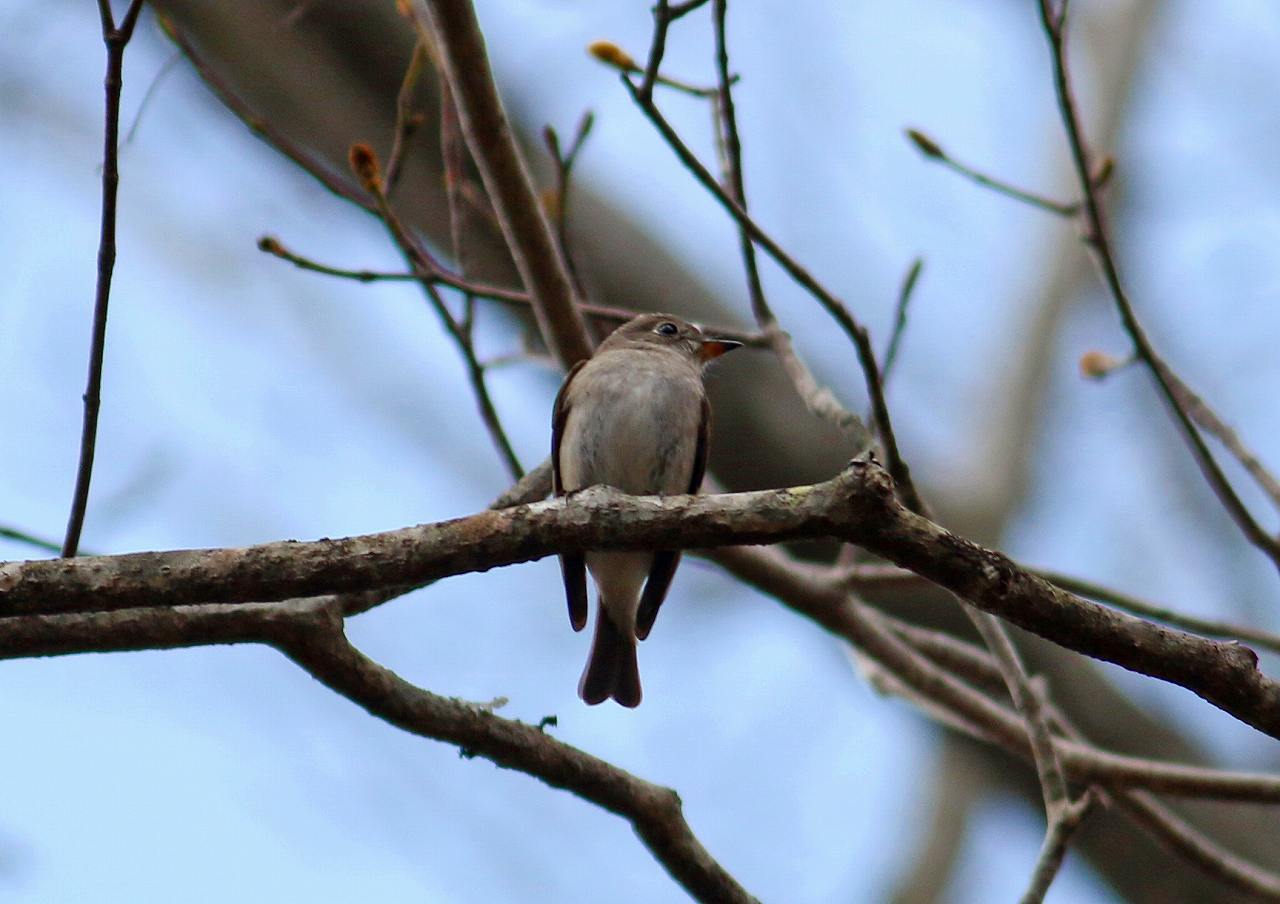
633	426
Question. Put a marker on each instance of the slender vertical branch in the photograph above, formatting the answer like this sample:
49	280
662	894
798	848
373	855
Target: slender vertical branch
1099	241
407	120
657	48
564	160
116	38
905	294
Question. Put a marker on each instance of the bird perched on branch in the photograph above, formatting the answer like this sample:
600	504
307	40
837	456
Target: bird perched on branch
634	417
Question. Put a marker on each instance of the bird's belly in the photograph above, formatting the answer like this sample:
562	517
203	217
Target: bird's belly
640	437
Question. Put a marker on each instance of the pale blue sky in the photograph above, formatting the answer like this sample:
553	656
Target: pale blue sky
248	401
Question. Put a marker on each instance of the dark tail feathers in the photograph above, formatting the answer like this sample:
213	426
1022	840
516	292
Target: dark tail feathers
612	670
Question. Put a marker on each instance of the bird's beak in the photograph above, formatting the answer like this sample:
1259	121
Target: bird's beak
714	348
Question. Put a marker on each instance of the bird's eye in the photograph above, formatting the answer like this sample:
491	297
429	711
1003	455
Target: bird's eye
666	328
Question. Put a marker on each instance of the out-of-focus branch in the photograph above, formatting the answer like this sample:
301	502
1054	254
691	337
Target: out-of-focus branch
1099	241
858	506
864	578
408	121
506	180
1137	606
1062	814
21	536
564	159
116	38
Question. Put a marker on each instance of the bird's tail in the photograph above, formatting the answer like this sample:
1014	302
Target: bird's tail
612	670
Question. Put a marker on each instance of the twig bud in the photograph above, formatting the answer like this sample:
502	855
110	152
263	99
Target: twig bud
1095	365
550	200
364	163
611	54
552	141
1104	171
925	145
271	245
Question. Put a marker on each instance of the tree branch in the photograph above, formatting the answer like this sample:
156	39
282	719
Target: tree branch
116	40
502	169
1099	241
857	506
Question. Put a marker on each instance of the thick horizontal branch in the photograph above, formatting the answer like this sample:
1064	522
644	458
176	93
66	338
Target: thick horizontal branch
857	506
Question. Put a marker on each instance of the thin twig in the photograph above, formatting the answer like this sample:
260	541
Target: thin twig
605	313
657	48
330	177
1133	604
818	398
905	294
407	120
12	533
1209	421
116	38
1098	239
931	150
364	163
564	160
1062	815
854	330
310	633
1053	784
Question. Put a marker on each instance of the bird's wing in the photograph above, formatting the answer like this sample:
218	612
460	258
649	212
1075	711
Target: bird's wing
572	565
666	560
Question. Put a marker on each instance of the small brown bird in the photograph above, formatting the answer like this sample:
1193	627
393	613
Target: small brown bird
634	417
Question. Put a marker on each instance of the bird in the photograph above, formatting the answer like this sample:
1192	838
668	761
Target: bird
633	416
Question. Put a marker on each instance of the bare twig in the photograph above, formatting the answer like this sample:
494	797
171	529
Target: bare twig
604	313
933	151
408	121
21	536
564	160
331	178
1052	783
854	330
364	163
611	54
1182	838
905	294
1062	825
818	398
1062	814
1098	240
1209	421
116	38
657	47
864	577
